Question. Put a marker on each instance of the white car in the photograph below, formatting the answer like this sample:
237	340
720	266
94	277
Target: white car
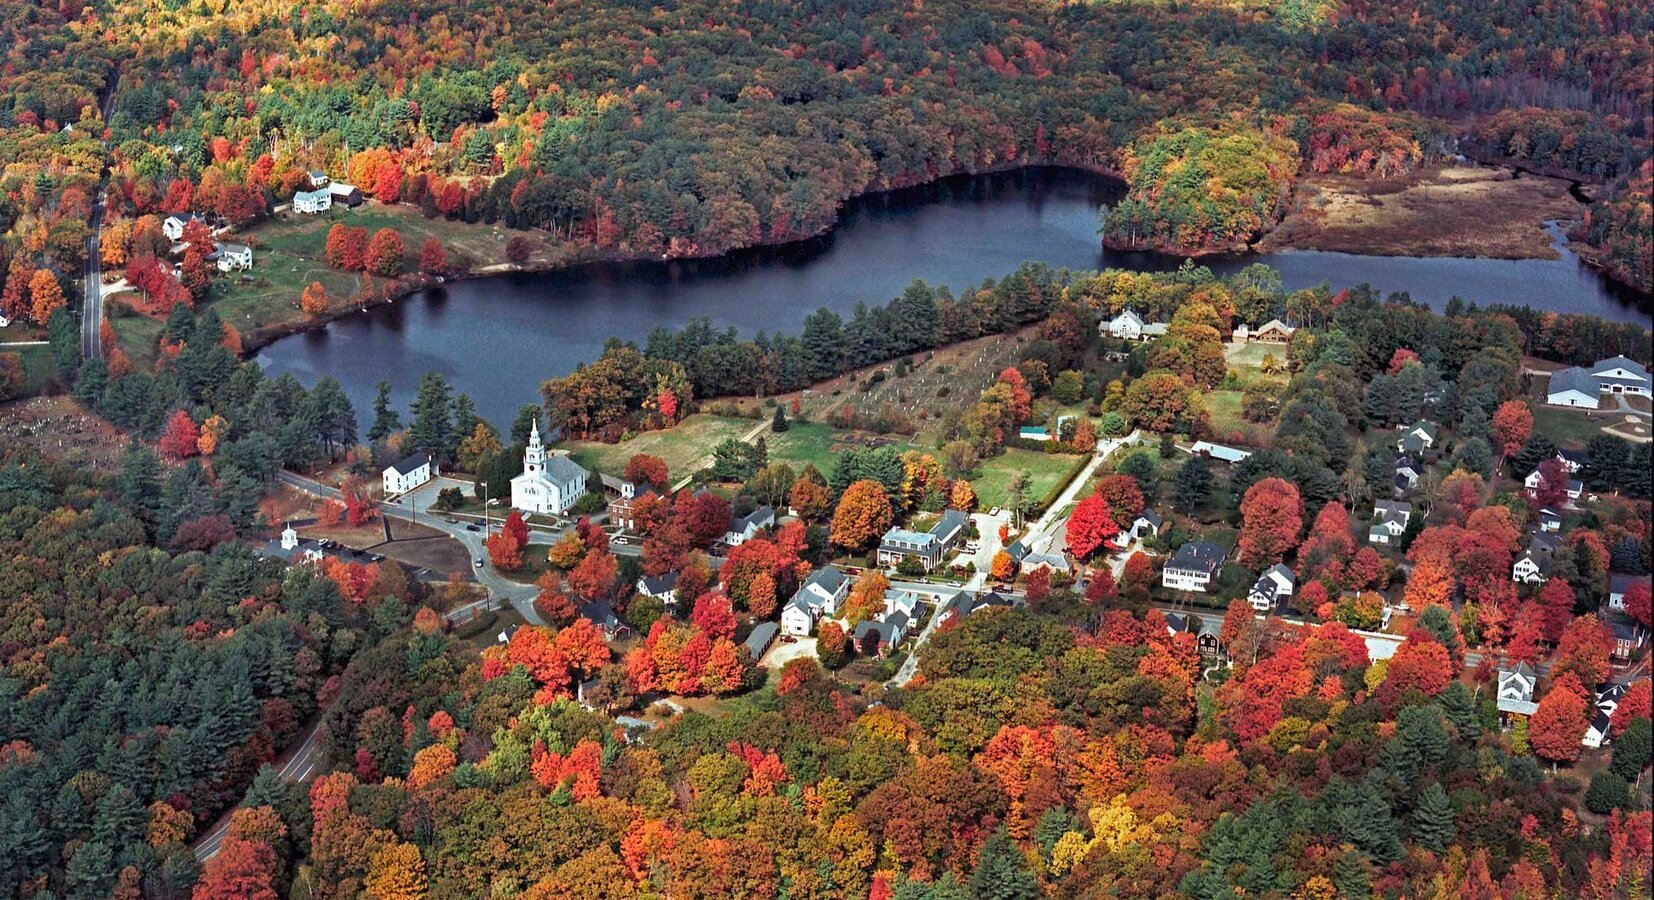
973	546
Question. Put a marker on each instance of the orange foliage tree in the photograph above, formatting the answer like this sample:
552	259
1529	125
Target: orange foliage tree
863	514
1271	517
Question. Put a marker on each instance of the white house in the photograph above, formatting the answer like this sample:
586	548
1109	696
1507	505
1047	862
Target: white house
1274	584
1390	518
318	178
661	587
234	257
1419	438
1129	326
1575	489
316	201
1147	524
413	471
1583	386
743	528
1609	695
1516	690
548	484
820	595
1619	375
173	225
1549	520
1407	474
1534	565
1192	567
1619	585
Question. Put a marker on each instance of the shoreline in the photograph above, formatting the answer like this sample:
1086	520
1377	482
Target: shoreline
1278	239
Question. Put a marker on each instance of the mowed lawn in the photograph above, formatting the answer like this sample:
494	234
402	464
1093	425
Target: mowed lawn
1045	471
1568	428
685	448
811	443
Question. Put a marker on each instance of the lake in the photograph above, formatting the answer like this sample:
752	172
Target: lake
498	338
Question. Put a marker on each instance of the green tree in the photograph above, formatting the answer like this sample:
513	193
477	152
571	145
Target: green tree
1002	873
432	430
778	422
63	337
1632	749
1608	792
1433	827
1193	484
386	420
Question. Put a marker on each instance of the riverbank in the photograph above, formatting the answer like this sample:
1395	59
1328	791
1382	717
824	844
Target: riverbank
1452	210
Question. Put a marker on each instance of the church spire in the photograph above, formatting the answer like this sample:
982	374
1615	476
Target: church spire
534	458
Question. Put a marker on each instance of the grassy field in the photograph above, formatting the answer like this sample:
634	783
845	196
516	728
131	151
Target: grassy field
818	445
1251	355
682	447
1569	428
1045	471
1225	408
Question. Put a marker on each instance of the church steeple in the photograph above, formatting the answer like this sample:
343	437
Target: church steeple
534	458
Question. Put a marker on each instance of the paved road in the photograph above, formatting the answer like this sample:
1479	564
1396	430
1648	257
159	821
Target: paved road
297	769
91	315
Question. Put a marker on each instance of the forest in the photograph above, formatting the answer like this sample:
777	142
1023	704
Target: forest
647	131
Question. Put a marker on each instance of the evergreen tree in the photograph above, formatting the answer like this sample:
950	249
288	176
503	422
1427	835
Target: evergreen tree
1460	708
91	873
1637	478
778	422
1433	827
386	420
139	482
1608	792
465	417
1001	872
432	430
1538	449
92	381
120	819
1604	462
1632	749
63	338
1193	484
527	417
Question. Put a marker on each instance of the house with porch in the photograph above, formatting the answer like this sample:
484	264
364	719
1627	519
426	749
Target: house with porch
1274	331
312	202
1129	326
745	528
1390	518
929	547
1193	566
1273	588
820	595
1418	438
1516	690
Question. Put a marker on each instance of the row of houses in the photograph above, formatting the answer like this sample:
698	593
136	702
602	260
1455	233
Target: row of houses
1129	326
226	257
1516	700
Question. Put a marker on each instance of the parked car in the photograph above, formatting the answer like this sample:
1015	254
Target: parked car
994	511
477	562
473	527
973	546
450	520
788	639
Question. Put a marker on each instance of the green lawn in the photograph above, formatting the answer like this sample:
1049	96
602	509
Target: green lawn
812	443
1045	471
683	447
1572	429
1251	355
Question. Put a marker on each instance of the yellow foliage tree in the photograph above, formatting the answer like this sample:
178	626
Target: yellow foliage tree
46	294
962	496
212	432
397	872
313	302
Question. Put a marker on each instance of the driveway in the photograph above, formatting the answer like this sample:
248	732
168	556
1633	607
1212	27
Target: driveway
780	654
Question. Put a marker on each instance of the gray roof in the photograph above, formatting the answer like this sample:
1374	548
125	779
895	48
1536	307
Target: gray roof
1386	509
1630	365
1619	584
759	640
1540	542
1150	516
757	519
1430	428
660	584
1624	629
410	462
1574	379
560	468
829	578
952	521
1202	556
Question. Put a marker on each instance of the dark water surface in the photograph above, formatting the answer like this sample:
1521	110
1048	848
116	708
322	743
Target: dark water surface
498	338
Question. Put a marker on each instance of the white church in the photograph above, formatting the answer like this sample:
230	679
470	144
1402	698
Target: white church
547	485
